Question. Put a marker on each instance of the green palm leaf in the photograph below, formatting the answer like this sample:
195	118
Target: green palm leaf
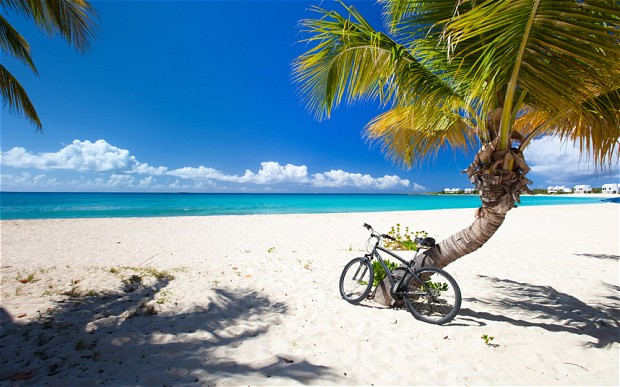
410	134
553	66
353	61
74	20
16	98
13	43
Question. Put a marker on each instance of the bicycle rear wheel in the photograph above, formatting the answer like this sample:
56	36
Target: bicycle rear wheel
432	296
356	280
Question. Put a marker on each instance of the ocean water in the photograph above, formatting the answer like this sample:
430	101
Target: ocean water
22	205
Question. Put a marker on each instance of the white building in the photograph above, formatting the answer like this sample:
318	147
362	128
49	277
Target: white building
451	190
558	189
583	188
469	191
611	188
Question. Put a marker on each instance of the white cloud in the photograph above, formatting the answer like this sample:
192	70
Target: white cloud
146	182
197	173
418	187
272	172
120	181
340	178
26	179
80	156
104	166
562	163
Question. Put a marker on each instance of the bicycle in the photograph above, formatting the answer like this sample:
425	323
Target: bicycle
429	293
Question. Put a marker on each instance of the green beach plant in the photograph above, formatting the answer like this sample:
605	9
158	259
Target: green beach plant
26	279
380	272
163	297
487	339
404	240
489	76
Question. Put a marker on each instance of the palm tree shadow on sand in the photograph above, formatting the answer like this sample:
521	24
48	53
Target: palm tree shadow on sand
529	305
118	338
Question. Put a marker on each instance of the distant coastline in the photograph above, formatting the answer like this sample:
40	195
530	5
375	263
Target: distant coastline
56	205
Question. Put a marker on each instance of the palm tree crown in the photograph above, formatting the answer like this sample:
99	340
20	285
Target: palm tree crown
74	20
488	73
460	73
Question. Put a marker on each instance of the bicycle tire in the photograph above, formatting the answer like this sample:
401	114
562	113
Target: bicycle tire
438	303
356	280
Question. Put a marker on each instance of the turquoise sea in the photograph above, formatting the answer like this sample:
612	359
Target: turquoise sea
22	205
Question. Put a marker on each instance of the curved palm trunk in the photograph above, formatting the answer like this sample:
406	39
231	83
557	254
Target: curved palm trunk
499	190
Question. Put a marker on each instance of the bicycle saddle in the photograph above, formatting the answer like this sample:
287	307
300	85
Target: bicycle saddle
425	242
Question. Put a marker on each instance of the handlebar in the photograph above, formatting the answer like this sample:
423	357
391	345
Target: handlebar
376	235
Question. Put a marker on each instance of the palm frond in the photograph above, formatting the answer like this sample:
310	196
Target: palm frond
353	61
13	43
14	95
593	125
561	40
411	134
74	20
413	20
553	66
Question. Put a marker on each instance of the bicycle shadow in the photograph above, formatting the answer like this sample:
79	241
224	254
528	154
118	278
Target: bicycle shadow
529	305
113	338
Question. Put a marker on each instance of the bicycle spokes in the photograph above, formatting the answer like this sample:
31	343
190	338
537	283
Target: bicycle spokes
433	296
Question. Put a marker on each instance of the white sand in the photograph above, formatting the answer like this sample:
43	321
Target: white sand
255	301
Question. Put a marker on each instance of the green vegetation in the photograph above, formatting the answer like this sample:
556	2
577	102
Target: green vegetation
163	297
26	279
487	339
380	272
403	241
73	20
142	272
441	286
490	76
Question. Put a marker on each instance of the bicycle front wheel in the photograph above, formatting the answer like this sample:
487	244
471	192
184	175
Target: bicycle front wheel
432	296
356	280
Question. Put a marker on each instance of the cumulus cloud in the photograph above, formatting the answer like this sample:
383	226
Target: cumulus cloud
146	182
562	163
272	172
80	156
197	173
119	181
27	179
418	187
115	167
340	178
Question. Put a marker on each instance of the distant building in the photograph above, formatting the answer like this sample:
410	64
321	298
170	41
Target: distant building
451	190
469	191
583	188
559	189
611	188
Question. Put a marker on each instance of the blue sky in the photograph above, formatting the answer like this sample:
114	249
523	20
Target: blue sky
197	96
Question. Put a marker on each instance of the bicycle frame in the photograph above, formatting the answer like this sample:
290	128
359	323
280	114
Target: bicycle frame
388	272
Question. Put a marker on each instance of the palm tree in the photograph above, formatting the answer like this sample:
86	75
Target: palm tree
74	20
491	75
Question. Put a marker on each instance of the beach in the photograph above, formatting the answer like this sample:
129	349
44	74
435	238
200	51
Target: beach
253	300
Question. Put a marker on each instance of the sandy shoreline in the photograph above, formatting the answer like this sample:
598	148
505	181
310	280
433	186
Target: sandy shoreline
238	300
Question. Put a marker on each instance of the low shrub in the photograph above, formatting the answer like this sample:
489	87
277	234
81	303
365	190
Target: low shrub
380	272
404	241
